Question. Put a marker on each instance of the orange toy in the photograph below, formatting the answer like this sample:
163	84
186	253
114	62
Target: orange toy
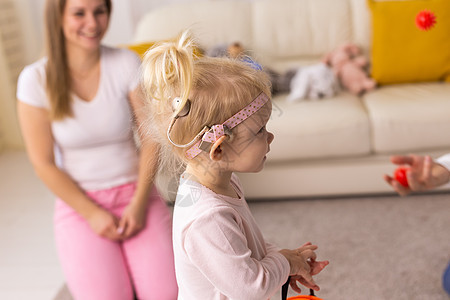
304	297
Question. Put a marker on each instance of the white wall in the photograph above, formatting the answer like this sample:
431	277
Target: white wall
31	16
11	63
9	130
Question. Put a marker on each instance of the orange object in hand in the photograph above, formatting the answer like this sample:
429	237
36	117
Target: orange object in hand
400	176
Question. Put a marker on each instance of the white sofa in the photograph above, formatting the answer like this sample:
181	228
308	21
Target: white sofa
333	147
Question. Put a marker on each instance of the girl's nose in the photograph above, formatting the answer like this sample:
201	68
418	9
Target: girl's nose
270	137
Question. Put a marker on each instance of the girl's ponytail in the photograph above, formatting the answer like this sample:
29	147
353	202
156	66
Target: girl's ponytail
167	70
166	73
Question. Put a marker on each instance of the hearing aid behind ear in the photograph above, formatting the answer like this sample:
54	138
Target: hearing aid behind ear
185	110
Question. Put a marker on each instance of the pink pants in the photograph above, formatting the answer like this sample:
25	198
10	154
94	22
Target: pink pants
99	269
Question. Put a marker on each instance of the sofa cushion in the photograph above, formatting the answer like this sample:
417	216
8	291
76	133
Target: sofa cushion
334	127
302	28
293	34
212	22
401	51
409	117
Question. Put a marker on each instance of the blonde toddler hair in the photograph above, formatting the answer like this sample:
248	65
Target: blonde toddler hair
217	88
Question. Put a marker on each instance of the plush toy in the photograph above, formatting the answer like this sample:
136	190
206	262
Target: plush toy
350	65
313	82
280	81
235	51
217	51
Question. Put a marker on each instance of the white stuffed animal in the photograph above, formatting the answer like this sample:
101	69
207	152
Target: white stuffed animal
313	82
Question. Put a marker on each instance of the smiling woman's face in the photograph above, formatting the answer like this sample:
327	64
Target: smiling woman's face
85	23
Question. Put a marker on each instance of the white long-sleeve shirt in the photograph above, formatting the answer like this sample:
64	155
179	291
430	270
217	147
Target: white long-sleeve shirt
444	160
220	252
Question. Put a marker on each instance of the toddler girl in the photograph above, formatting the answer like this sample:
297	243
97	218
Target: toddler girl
213	112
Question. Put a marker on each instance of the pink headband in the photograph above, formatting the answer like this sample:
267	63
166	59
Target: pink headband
217	131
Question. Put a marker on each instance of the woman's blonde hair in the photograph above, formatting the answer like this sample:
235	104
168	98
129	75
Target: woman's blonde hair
57	71
217	88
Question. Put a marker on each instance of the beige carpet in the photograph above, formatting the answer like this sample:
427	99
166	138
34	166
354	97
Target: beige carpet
380	248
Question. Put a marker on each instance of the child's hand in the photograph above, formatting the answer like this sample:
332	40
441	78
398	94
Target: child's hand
316	267
303	266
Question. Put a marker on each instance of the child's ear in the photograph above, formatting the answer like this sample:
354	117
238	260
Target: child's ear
216	153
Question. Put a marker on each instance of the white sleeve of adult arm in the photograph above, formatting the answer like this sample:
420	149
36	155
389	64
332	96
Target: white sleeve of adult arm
444	161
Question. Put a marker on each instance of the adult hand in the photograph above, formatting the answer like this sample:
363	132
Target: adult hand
132	220
422	174
104	224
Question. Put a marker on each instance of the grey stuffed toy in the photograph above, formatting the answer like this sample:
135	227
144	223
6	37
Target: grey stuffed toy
313	82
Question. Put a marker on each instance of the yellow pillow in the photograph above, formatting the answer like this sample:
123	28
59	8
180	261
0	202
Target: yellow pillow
141	48
401	52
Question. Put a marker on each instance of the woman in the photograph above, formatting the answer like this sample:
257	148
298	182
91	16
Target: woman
112	229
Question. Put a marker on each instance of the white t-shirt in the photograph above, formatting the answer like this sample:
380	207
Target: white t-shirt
219	250
95	147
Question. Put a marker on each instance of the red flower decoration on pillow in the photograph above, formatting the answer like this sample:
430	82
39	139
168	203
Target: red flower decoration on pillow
425	20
